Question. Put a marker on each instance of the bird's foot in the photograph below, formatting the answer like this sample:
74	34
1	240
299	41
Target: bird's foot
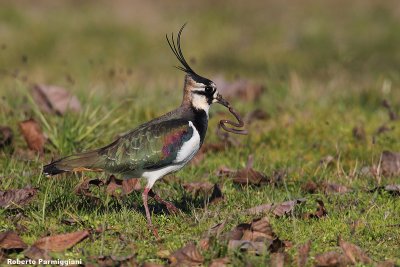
170	207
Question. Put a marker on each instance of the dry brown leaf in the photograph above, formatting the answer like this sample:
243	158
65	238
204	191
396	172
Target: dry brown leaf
33	135
256	237
189	255
116	187
386	263
197	188
310	187
302	253
354	253
105	261
152	264
61	242
239	89
332	188
392	114
10	240
325	187
393	189
278	209
83	188
220	262
256	247
6	136
36	253
16	198
54	99
319	213
331	259
390	163
278	259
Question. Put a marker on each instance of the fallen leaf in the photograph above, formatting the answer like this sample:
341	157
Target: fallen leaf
83	188
277	259
354	253
256	237
386	263
319	213
116	187
383	129
16	198
310	187
278	210
54	99
61	242
33	135
36	253
152	264
105	261
220	262
390	163
332	188
197	188
240	89
257	247
393	189
216	229
189	255
6	136
10	240
302	253
392	114
331	258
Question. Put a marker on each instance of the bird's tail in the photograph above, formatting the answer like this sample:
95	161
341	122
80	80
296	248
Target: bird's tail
88	161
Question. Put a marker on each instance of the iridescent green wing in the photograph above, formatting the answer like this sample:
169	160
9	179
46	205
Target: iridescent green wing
149	147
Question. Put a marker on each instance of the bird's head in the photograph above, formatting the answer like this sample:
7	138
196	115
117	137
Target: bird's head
199	92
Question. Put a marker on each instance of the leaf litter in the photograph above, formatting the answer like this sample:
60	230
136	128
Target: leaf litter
55	99
33	135
6	136
16	198
246	176
212	191
188	255
279	209
390	163
256	237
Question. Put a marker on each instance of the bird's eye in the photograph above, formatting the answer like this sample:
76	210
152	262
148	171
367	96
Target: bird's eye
209	89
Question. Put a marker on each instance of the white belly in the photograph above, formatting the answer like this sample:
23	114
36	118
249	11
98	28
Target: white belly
185	154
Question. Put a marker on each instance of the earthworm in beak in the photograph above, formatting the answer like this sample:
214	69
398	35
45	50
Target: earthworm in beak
223	123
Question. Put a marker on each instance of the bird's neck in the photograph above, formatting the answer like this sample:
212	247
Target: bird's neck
199	118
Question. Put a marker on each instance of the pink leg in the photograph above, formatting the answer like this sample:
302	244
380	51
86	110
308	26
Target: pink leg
148	217
171	207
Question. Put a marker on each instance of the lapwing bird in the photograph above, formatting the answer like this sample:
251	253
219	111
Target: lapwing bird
158	147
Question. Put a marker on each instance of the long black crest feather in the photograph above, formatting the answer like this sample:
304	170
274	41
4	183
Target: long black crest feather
176	49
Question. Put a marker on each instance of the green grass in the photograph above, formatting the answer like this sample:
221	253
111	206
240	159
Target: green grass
326	66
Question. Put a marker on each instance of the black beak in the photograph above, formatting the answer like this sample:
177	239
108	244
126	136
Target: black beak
222	101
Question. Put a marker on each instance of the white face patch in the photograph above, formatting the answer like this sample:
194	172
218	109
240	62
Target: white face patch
200	102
